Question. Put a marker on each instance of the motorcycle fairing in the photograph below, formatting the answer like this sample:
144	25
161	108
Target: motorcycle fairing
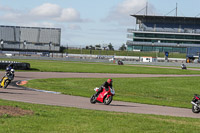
102	95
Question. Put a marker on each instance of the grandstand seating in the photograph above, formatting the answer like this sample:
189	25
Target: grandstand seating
29	34
163	27
36	38
169	34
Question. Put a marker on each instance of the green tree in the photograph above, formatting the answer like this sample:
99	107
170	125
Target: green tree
110	46
98	47
123	47
91	47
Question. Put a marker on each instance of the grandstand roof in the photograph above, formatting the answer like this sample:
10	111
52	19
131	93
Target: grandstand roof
167	19
29	27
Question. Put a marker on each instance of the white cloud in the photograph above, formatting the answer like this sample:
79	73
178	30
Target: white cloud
46	10
11	16
42	24
56	13
69	15
130	6
5	8
121	12
43	13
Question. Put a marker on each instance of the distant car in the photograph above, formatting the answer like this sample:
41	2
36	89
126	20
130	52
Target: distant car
112	59
9	55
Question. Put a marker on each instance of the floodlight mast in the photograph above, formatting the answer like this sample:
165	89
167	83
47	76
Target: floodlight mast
176	9
146	8
146	11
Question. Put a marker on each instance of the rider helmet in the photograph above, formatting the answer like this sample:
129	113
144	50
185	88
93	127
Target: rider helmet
109	81
12	70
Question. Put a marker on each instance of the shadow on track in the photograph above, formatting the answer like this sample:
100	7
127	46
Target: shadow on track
118	105
10	93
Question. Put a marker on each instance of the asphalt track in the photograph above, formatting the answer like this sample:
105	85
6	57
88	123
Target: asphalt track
15	93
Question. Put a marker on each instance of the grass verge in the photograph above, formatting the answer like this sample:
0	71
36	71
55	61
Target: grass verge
86	67
51	119
167	91
124	53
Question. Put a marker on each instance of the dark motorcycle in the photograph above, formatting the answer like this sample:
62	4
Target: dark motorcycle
183	66
120	62
196	103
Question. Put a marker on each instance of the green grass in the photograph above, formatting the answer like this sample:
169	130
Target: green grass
161	91
87	67
167	91
124	53
54	119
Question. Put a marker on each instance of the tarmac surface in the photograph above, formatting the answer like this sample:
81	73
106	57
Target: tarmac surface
16	93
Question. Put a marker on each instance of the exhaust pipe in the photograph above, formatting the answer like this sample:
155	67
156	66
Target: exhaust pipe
194	103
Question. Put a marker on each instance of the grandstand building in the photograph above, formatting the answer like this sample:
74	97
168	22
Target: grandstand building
33	39
164	34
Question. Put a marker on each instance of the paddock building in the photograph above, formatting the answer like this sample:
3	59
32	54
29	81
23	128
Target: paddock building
164	34
33	39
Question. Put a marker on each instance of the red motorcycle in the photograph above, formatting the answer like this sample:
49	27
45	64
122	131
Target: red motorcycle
105	97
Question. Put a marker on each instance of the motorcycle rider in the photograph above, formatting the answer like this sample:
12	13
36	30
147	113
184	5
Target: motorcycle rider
106	84
9	72
9	67
183	66
120	62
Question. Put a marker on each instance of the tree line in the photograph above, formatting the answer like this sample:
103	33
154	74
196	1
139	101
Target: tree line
105	47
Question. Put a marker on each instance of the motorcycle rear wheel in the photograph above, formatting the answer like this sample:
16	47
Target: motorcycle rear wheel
93	99
195	109
108	100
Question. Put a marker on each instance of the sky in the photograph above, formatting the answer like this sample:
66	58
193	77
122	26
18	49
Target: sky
89	22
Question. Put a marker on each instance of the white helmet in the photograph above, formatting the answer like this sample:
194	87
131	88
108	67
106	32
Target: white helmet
12	70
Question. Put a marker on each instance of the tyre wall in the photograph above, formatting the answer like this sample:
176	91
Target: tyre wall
17	65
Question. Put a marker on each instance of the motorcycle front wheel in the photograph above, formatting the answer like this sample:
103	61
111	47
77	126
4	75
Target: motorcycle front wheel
6	83
107	100
93	99
195	109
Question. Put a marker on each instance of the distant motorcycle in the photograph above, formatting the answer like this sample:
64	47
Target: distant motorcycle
105	97
6	80
196	103
183	66
120	62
